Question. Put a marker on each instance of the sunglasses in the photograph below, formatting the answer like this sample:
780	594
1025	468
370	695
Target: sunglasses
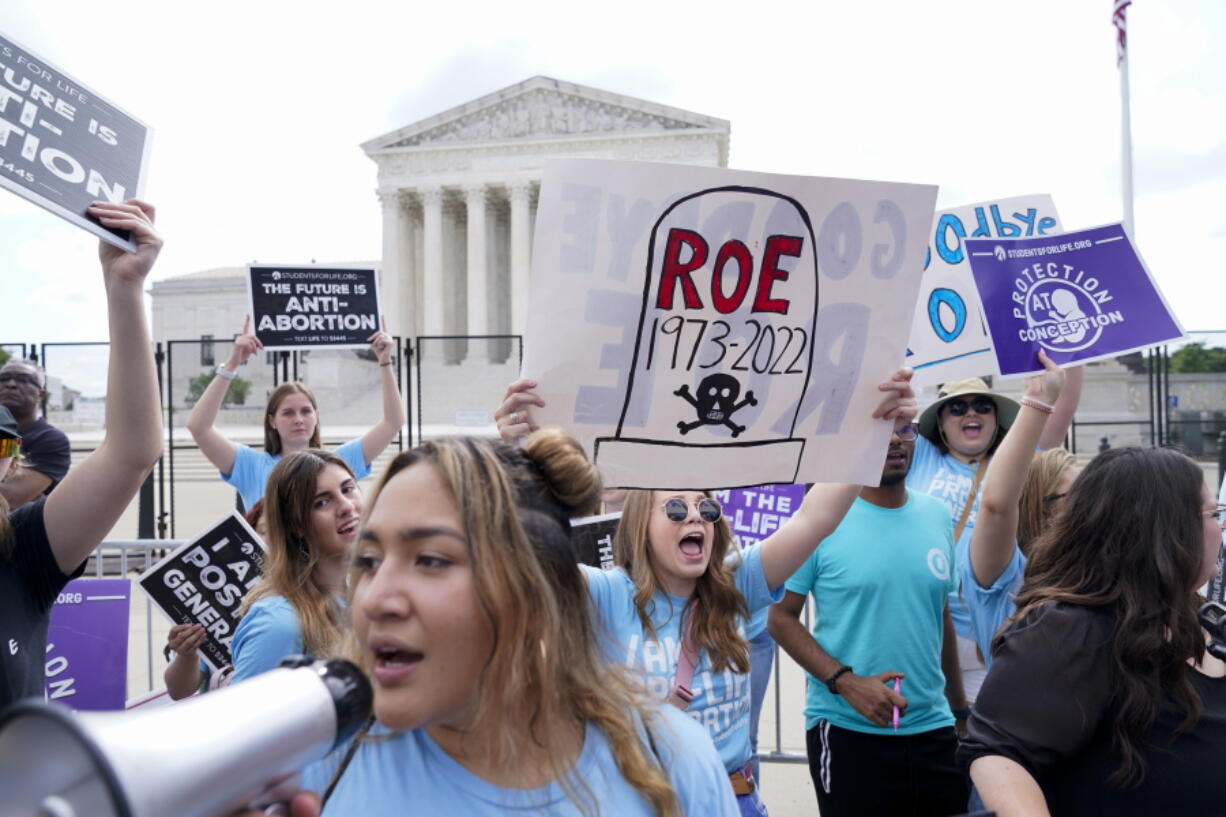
907	433
10	446
980	405
20	377
678	510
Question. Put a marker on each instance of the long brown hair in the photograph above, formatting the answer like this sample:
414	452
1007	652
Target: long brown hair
545	670
289	567
716	604
1034	508
1129	539
272	440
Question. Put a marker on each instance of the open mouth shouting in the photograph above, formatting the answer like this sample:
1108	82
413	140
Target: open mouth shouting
392	661
693	546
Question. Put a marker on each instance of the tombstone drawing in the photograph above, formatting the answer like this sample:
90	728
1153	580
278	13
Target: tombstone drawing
724	349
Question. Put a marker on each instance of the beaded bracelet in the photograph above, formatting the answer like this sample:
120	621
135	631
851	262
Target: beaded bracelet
1037	405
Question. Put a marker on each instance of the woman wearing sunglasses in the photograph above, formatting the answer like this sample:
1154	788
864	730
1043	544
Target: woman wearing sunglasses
959	433
675	612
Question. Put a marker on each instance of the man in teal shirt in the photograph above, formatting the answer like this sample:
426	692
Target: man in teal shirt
879	585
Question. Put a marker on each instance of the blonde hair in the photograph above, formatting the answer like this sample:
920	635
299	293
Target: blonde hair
716	603
289	567
272	439
1041	480
545	670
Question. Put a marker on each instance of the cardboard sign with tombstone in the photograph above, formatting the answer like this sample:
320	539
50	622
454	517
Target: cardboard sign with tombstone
63	146
1081	296
949	340
699	327
313	307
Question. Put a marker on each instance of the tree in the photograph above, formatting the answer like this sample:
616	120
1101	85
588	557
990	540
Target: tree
5	356
236	394
1196	357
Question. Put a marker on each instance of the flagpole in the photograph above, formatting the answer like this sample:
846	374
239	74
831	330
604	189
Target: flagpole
1126	148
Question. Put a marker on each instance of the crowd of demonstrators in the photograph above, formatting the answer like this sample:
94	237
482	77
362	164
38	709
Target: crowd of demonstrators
491	693
45	452
291	421
676	614
44	543
993	571
1101	699
959	433
880	586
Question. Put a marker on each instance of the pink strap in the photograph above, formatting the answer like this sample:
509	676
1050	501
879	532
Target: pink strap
681	695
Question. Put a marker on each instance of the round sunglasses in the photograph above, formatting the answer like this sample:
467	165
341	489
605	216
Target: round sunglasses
678	510
981	405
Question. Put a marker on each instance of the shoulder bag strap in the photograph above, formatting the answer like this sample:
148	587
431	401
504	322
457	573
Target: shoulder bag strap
970	499
680	696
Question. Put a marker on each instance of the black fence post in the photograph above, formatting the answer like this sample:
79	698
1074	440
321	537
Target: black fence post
144	513
1103	444
1221	458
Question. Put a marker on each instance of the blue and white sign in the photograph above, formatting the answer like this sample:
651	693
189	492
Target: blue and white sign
1081	297
948	338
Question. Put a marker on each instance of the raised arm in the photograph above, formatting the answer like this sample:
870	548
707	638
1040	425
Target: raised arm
825	505
201	422
383	432
1064	409
90	500
868	695
995	533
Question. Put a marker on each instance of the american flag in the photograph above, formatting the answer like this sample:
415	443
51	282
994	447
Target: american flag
1119	7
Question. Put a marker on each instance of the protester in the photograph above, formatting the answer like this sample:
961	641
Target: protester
291	422
1101	699
670	549
959	433
880	585
471	616
311	509
46	542
45	451
993	570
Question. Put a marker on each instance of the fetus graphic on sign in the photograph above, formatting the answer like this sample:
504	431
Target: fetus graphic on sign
724	348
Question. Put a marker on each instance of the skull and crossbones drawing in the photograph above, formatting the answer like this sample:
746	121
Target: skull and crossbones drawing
715	403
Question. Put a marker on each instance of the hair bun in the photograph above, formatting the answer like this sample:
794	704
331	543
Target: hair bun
569	474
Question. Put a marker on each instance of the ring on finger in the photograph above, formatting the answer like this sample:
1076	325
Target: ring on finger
513	418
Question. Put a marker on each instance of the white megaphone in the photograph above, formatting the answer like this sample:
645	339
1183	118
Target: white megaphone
205	757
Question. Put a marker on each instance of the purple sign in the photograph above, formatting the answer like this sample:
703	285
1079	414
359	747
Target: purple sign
1079	296
756	513
87	644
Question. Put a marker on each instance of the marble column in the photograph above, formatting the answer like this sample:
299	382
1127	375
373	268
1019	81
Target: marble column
478	288
392	289
432	260
521	230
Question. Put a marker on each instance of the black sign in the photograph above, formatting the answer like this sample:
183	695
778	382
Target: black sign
313	307
1217	585
592	539
62	146
203	582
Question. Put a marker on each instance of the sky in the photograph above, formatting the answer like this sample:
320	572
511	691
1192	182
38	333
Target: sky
259	108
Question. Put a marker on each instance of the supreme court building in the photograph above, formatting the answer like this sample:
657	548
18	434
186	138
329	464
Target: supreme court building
459	190
457	193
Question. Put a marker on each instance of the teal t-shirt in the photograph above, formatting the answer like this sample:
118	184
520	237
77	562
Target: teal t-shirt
251	468
879	585
395	774
721	700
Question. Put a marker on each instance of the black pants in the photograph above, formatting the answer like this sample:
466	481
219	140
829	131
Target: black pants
866	775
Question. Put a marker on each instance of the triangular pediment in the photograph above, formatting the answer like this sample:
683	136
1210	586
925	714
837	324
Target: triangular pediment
543	108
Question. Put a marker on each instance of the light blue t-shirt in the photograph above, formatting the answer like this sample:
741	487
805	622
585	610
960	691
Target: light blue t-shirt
721	700
948	479
879	586
409	774
266	633
991	607
251	468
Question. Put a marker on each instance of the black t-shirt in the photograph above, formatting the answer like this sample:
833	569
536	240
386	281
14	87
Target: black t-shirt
46	450
30	581
1047	704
